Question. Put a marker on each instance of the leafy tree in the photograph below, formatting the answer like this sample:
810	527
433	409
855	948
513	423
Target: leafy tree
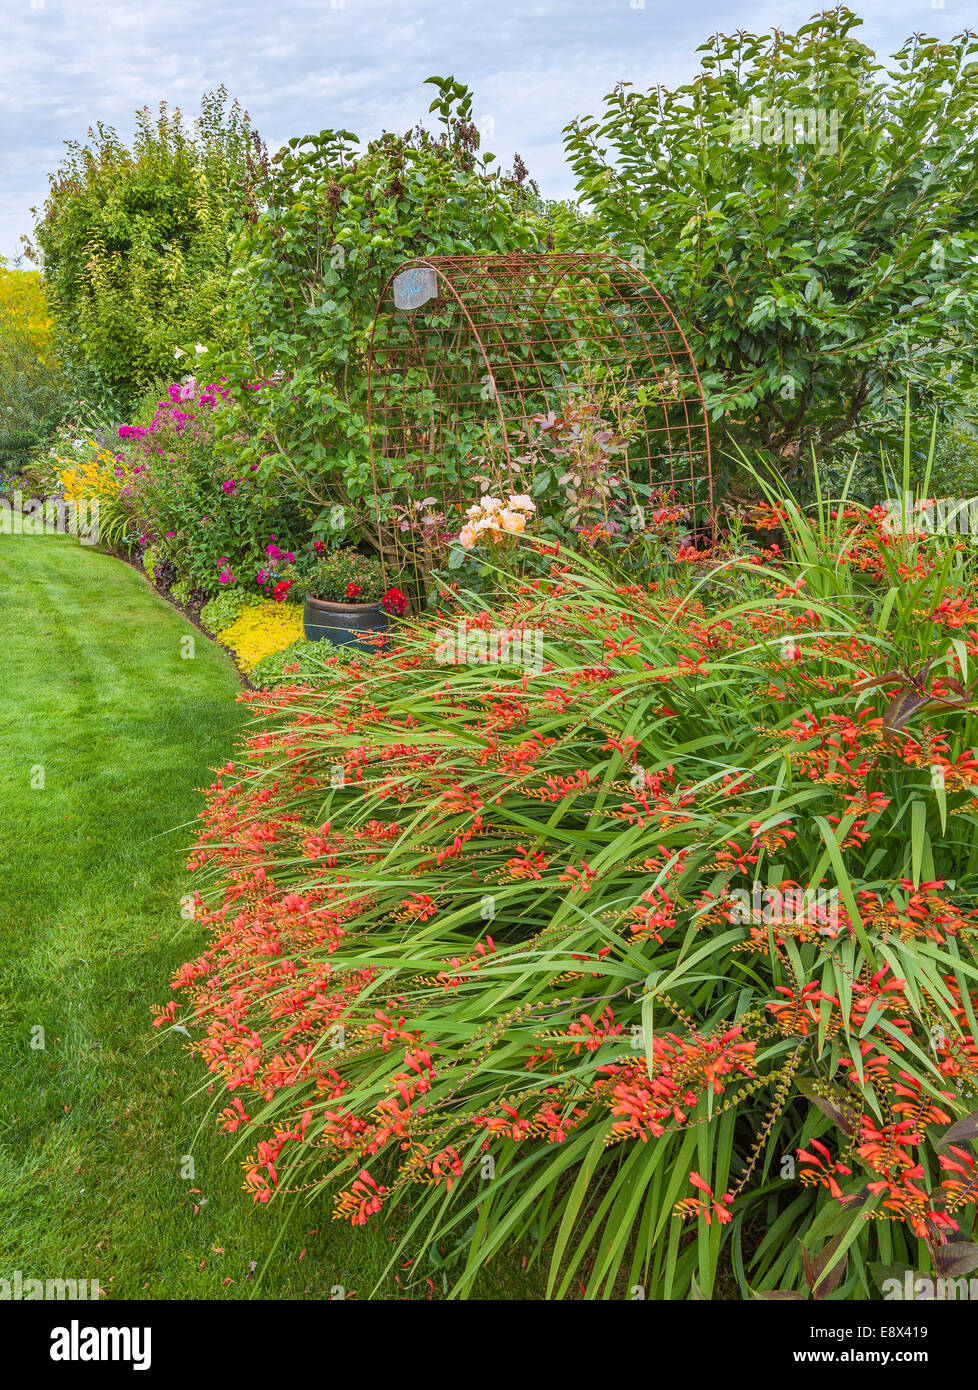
33	390
813	213
339	221
135	241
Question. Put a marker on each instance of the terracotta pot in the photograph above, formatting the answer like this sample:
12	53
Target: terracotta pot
343	624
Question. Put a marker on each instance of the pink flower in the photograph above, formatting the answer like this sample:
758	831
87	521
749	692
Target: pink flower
229	485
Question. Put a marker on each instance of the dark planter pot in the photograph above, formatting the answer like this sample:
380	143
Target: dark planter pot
343	624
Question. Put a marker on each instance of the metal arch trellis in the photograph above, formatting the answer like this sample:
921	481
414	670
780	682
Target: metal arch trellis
472	359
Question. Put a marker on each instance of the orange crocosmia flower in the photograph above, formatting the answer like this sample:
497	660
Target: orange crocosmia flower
709	1207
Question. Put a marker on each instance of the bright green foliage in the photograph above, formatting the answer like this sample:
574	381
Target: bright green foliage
135	240
313	267
181	591
305	662
955	470
812	212
33	393
221	611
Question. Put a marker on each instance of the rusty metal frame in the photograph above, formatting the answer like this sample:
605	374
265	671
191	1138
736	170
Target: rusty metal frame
528	320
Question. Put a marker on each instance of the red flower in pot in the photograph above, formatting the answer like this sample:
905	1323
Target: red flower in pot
346	600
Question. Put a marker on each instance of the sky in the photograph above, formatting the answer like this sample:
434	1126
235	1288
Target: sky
298	66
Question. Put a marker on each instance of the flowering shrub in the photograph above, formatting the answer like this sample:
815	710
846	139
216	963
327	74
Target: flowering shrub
215	523
345	576
677	928
91	471
82	469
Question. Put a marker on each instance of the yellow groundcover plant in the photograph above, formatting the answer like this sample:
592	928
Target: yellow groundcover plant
260	629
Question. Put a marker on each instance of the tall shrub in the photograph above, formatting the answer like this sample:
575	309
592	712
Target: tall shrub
135	239
33	389
339	220
812	210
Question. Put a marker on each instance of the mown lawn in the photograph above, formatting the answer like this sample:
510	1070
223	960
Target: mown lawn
95	1126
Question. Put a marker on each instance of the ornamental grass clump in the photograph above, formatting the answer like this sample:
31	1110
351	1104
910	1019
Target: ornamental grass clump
660	957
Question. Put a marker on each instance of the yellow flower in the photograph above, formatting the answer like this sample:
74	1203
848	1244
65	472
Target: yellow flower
93	477
260	629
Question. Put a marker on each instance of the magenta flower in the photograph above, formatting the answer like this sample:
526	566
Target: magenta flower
229	485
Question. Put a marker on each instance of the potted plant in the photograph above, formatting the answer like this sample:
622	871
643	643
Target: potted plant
346	598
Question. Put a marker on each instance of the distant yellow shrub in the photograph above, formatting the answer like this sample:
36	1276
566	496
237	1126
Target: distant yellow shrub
24	313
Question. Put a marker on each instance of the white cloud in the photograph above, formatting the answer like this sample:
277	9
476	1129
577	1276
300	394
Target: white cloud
301	65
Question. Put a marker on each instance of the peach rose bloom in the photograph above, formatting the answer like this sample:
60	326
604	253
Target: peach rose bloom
513	521
468	536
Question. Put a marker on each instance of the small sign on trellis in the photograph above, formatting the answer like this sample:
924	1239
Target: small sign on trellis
415	287
577	350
